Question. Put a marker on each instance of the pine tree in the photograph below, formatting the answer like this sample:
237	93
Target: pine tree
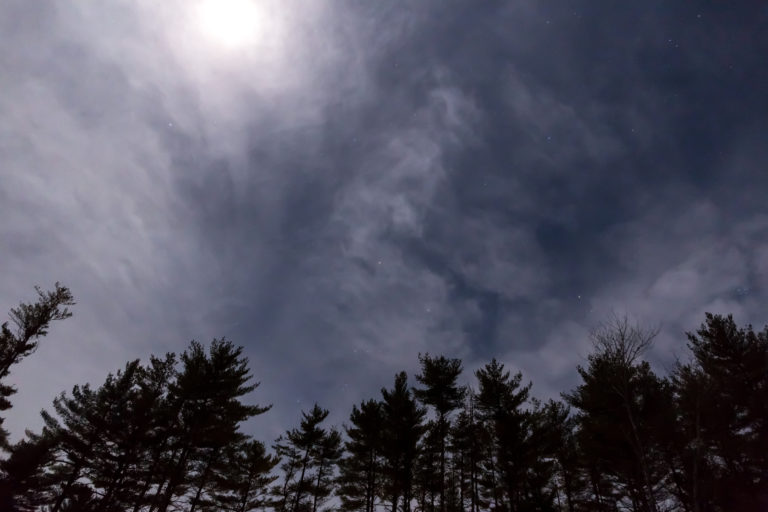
26	485
569	474
723	417
243	485
326	460
542	432
76	434
301	449
31	322
156	415
468	437
439	376
100	441
688	447
360	469
402	430
115	459
616	405
499	401
150	436
205	400
291	458
427	467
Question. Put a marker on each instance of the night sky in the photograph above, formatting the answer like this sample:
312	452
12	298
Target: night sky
351	183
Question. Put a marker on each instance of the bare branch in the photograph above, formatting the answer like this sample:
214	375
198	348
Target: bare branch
621	340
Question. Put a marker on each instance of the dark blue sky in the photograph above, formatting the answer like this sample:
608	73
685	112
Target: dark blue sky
363	181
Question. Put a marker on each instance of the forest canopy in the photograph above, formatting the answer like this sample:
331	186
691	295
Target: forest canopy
166	434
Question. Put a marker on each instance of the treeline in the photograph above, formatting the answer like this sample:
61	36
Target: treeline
166	435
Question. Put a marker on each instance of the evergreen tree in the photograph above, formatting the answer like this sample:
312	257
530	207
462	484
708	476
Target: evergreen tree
150	436
26	484
569	475
468	438
156	415
360	469
303	450
541	441
439	376
427	467
30	323
79	428
723	417
326	460
499	401
291	457
617	405
102	441
119	452
689	450
244	483
207	411
402	430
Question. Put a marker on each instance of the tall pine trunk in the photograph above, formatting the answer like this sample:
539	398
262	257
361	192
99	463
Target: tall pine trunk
442	462
317	487
370	488
301	481
203	481
647	491
395	500
176	477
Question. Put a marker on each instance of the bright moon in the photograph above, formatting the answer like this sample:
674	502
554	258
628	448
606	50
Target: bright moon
231	23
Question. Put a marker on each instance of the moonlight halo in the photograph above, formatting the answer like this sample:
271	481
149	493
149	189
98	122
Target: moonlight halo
230	23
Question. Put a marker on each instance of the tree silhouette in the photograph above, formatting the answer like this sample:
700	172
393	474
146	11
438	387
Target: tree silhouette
243	484
326	460
439	376
360	471
30	323
149	437
402	430
308	450
499	401
616	405
27	485
723	417
468	438
166	435
205	400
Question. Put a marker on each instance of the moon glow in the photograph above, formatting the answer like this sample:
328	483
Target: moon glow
230	23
